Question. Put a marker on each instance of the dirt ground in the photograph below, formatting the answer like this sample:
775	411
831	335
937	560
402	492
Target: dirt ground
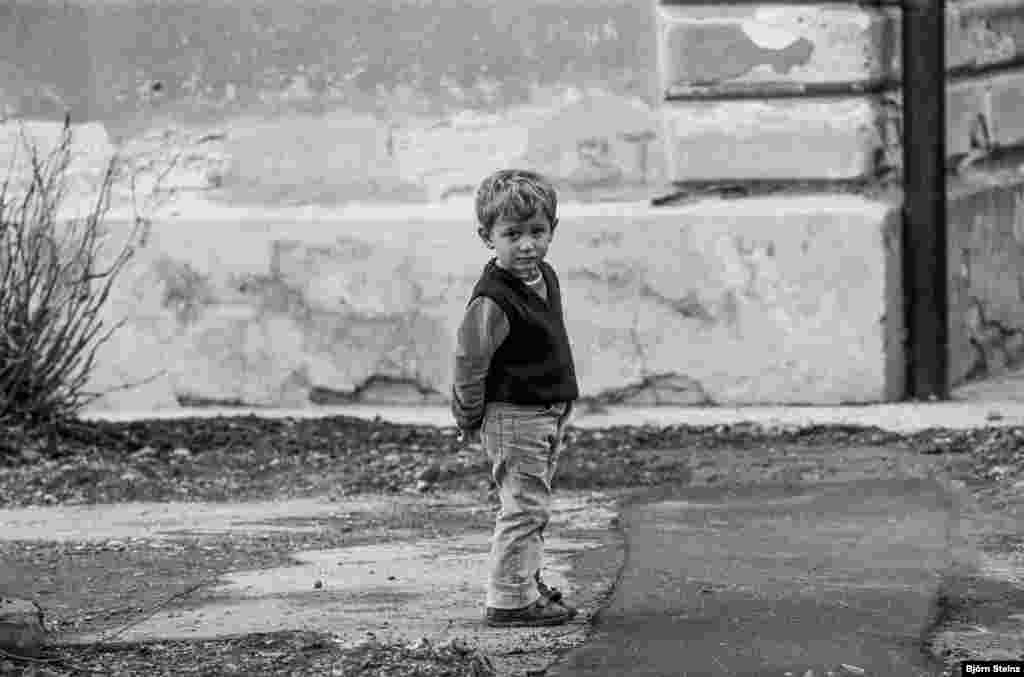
106	588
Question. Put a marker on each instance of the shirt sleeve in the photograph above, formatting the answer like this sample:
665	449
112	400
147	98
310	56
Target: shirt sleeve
484	328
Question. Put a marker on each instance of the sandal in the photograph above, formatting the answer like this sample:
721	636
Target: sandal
553	594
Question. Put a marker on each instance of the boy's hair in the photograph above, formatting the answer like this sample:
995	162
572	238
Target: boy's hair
516	195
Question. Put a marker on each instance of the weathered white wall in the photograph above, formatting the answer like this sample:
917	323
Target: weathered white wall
729	302
316	240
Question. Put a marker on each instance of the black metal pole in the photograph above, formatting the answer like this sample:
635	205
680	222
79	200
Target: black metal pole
925	256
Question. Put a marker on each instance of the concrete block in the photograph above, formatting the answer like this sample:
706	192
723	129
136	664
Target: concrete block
978	33
766	43
1006	103
787	300
986	236
775	139
982	112
817	138
968	121
747	47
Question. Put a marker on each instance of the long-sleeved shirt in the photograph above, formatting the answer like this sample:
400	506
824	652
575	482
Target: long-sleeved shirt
484	328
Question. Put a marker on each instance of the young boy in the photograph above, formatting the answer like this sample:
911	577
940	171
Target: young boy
515	383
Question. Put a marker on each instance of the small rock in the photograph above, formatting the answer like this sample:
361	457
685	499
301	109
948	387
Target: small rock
994	416
30	455
423	486
481	666
181	452
22	630
393	459
369	641
853	669
144	451
318	585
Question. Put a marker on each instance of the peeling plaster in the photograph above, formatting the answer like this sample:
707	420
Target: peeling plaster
770	37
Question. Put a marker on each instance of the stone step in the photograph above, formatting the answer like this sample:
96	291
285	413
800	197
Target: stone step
775	139
785	298
272	308
758	47
838	138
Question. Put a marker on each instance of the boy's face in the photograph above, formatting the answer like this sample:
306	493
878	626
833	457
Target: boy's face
521	245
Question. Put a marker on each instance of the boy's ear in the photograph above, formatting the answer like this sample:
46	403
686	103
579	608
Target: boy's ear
485	235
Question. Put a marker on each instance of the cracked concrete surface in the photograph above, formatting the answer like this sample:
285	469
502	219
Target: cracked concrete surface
399	590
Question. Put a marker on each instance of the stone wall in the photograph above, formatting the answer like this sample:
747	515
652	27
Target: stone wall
312	240
811	92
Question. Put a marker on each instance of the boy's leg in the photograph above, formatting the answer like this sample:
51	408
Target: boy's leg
518	443
556	441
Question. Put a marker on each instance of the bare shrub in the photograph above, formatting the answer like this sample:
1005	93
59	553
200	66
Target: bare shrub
53	285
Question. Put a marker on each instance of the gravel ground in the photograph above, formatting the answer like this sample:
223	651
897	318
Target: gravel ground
249	458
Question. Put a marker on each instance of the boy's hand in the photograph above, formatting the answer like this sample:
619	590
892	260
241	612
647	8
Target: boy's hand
471	438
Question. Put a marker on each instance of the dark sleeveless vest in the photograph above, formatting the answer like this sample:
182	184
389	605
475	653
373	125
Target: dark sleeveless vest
534	365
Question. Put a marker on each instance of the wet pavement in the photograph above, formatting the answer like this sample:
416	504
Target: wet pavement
774	580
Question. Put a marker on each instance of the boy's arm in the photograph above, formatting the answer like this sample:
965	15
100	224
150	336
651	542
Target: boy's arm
484	328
